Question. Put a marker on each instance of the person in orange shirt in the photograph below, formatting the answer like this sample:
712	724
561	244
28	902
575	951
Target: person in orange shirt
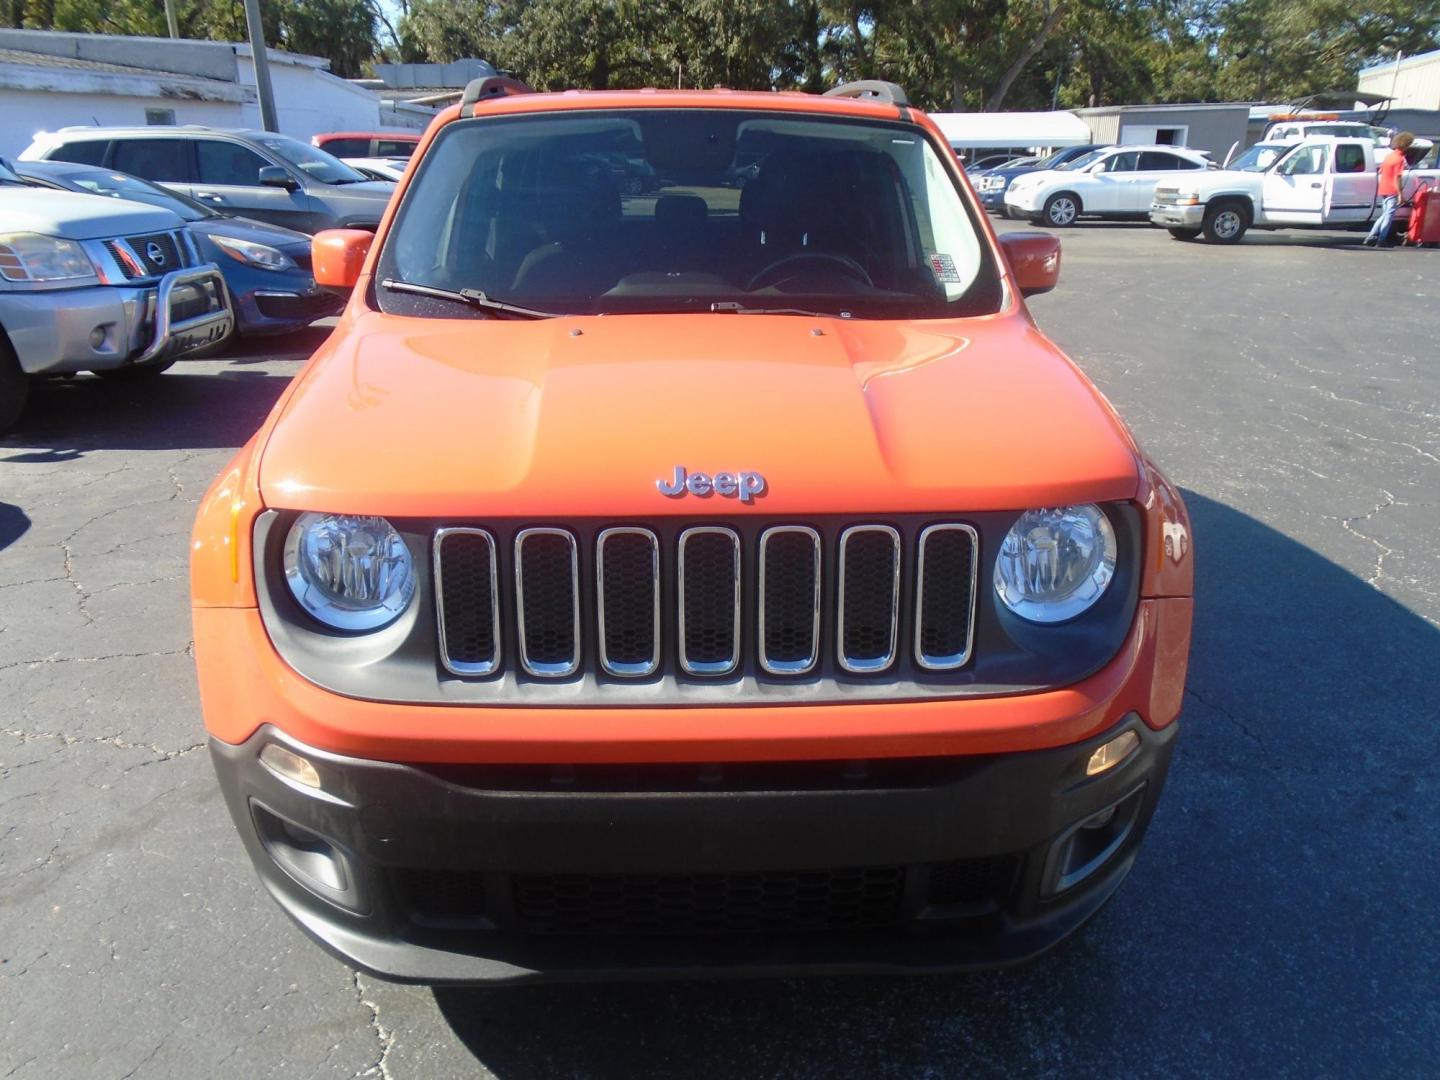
1390	188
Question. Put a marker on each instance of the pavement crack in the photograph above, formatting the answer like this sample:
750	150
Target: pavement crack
1240	724
381	1065
37	661
82	598
1383	551
100	740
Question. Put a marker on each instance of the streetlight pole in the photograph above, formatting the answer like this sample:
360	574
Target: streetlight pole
170	22
262	66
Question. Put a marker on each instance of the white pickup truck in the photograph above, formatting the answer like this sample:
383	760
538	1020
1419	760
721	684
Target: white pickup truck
1321	182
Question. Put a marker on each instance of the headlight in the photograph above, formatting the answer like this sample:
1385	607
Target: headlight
351	573
33	257
1055	563
251	254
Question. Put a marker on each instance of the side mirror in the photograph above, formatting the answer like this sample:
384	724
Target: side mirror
338	255
1034	259
275	176
1100	166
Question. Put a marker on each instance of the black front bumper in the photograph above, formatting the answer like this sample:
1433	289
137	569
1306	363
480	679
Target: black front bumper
461	874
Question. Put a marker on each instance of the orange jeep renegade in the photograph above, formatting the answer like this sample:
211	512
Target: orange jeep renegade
726	578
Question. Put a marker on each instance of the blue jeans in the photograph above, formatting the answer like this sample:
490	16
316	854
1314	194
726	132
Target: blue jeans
1381	228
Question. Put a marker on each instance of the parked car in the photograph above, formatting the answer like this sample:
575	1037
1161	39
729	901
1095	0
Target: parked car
391	169
1118	182
655	586
367	144
97	284
989	161
258	174
266	268
993	185
1319	182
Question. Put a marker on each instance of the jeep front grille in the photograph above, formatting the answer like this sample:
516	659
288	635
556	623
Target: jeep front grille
708	601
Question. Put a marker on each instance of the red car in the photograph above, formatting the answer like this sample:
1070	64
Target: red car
367	144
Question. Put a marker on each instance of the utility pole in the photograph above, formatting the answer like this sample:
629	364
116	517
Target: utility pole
262	66
170	22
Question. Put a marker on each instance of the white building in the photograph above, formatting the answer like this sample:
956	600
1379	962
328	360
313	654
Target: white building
1413	81
50	80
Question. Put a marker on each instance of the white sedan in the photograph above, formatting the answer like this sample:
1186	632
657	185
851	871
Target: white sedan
1116	182
378	168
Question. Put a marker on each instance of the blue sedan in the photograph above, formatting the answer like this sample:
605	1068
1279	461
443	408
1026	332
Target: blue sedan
266	268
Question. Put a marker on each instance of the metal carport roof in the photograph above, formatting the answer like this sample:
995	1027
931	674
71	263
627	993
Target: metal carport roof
1013	129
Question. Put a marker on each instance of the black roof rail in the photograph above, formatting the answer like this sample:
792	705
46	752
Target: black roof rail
492	86
887	93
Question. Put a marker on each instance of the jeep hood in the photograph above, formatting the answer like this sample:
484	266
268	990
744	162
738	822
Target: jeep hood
79	217
581	416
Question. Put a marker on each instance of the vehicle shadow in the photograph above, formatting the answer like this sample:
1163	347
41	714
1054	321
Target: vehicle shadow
1279	920
183	409
14	523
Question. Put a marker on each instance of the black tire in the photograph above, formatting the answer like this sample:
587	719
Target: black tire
1226	222
1062	209
1184	234
14	386
141	373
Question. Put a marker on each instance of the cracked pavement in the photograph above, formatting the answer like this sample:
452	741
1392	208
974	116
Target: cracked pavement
1281	919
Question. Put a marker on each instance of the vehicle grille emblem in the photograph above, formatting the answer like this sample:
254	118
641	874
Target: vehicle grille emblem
155	253
745	486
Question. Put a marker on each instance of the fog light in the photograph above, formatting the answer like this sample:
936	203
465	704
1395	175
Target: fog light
97	338
1112	753
289	765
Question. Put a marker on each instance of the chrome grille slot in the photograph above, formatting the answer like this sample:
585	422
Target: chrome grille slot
467	601
709	591
789	627
946	571
869	607
547	602
627	571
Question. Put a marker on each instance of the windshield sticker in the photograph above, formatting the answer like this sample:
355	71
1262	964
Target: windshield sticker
943	267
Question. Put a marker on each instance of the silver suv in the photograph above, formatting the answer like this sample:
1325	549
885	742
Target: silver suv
89	283
255	174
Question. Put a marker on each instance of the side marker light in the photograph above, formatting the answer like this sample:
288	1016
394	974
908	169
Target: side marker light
1112	753
289	765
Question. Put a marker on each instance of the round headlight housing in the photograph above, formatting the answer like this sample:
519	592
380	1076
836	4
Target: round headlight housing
349	572
1055	562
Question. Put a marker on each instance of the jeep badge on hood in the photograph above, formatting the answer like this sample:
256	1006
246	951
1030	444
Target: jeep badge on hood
745	485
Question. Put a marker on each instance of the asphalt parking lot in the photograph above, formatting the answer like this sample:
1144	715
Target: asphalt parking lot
1283	916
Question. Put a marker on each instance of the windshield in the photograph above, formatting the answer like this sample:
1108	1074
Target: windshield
123	186
674	210
1083	160
7	175
1259	157
310	160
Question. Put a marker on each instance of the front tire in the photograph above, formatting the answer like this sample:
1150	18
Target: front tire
1184	234
1225	222
1061	209
14	386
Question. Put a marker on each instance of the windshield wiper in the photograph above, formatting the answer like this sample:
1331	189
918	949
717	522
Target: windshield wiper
474	297
732	307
